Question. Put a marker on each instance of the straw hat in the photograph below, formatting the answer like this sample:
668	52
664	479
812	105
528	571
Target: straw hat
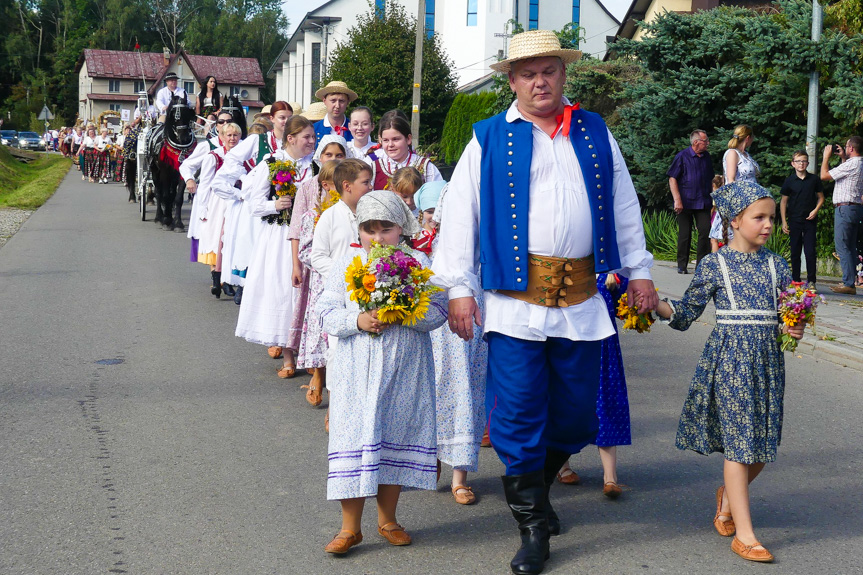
296	107
535	44
265	111
336	87
316	111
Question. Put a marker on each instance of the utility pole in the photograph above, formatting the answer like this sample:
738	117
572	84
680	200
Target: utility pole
325	29
812	112
418	72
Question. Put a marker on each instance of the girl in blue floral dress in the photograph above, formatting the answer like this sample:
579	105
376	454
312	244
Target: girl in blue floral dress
735	399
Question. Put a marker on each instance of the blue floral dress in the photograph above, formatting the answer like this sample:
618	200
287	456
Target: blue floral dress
735	398
612	402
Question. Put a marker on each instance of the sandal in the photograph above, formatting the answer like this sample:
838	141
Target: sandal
287	371
275	351
463	498
314	395
724	527
611	490
568	477
754	552
342	542
396	534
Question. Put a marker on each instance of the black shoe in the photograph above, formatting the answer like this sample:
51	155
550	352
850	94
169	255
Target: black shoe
228	290
554	460
682	271
526	497
238	295
216	290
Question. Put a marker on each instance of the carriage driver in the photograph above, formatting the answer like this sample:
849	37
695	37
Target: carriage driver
163	96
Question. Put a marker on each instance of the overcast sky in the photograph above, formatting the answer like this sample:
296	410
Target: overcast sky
296	9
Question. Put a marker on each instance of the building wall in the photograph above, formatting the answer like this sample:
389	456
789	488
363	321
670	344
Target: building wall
659	7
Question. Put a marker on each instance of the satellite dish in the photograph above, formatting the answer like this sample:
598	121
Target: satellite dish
244	94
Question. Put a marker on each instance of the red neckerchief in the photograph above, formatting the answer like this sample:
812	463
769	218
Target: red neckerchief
356	246
339	130
564	120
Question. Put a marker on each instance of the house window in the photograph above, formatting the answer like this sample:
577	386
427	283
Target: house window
471	12
380	8
429	19
139	86
576	13
189	87
533	15
235	90
114	107
515	11
316	66
113	86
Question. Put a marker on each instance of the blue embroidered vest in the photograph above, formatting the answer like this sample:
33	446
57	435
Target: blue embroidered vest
321	130
507	149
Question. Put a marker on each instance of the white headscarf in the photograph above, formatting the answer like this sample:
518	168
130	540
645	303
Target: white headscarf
325	141
384	205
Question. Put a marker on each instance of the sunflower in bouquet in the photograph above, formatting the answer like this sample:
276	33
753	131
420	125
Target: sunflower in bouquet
393	282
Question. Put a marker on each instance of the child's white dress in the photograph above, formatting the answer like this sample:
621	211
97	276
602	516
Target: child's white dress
382	419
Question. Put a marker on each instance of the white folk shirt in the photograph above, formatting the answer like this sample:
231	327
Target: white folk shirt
359	153
163	98
234	169
559	225
390	166
334	234
193	163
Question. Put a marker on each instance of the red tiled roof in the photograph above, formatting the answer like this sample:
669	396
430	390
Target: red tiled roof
124	65
113	97
252	103
127	65
245	71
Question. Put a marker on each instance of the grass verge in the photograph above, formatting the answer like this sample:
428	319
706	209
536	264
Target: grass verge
28	186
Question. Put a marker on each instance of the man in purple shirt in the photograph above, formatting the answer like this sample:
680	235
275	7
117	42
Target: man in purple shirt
689	178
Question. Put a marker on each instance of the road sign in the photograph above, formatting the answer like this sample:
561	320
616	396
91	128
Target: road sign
45	114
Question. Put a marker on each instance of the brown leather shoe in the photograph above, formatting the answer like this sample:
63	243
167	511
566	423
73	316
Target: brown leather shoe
342	542
287	371
568	477
842	288
724	527
755	552
463	498
314	395
274	351
486	440
395	534
611	490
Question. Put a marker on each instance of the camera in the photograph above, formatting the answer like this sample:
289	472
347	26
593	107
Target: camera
838	150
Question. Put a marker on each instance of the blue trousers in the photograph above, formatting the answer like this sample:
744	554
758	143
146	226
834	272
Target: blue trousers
846	227
539	395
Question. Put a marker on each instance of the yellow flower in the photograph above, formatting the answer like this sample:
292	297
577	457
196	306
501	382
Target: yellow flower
392	313
359	295
356	270
369	282
421	275
419	310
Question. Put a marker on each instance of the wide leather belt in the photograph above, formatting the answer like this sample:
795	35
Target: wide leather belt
557	282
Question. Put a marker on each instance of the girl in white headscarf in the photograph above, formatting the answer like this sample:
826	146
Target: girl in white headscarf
382	412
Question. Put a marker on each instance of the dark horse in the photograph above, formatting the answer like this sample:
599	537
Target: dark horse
233	106
169	144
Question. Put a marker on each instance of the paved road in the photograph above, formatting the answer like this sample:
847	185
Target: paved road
183	453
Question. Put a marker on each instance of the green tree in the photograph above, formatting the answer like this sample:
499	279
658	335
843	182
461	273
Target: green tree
715	69
377	61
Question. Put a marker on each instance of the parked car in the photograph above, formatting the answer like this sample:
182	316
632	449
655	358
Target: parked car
9	137
31	141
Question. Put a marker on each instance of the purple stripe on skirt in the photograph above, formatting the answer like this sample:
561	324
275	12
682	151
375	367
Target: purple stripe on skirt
193	255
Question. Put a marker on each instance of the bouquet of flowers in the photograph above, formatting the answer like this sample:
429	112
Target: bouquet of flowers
393	282
640	322
797	305
283	174
326	203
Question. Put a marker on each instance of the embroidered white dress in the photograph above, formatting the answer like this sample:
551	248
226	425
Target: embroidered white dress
211	208
382	419
265	313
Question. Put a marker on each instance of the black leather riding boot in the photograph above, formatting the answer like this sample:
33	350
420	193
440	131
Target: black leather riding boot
216	290
526	497
554	460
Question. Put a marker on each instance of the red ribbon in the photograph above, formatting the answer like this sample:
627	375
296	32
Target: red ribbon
339	130
564	120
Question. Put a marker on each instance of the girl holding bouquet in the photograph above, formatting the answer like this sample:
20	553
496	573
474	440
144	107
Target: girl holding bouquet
265	311
382	420
735	399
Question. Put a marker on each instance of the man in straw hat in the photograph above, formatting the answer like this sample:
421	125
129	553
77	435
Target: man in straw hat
336	96
542	197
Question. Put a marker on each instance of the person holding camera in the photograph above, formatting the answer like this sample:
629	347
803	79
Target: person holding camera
848	204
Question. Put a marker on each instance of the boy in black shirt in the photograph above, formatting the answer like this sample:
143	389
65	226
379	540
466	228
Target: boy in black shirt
801	199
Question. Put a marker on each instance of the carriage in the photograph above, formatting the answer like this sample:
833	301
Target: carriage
144	186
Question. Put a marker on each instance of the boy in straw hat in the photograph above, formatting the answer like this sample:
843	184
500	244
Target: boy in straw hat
336	96
557	207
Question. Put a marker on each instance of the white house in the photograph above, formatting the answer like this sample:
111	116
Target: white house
474	34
